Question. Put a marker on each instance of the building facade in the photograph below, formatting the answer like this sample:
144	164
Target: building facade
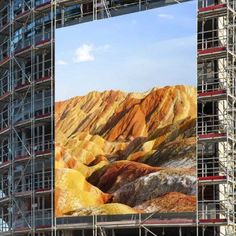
27	37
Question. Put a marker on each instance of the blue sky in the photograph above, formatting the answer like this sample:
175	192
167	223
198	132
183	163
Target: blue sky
133	52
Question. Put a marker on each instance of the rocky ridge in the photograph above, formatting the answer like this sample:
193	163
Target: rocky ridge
122	152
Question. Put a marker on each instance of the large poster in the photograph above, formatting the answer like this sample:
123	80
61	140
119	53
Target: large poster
125	114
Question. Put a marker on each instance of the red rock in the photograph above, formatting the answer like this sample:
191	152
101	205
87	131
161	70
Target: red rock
112	177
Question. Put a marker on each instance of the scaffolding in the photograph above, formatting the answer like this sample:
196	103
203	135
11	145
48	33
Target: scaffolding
68	13
27	30
27	36
26	117
216	116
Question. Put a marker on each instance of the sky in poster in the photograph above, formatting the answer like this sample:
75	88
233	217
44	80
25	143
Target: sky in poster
133	52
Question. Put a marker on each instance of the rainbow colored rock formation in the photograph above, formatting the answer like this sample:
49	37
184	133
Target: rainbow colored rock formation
121	153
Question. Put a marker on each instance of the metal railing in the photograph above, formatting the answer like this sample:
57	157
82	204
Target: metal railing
4	85
4	187
42	219
24	43
211	84
4	16
232	4
22	77
22	109
216	39
4	152
207	3
212	209
22	6
4	50
42	143
42	181
4	119
124	219
212	166
225	85
210	124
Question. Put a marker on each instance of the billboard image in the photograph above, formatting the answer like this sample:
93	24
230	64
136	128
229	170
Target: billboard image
125	114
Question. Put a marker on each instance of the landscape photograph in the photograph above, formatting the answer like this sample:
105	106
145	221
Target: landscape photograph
125	115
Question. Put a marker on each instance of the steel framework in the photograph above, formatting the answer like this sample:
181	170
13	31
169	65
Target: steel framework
26	63
216	116
27	36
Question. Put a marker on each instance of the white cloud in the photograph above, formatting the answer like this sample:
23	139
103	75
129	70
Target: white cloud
61	62
166	16
84	53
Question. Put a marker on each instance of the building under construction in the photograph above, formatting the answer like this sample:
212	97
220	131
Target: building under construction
27	37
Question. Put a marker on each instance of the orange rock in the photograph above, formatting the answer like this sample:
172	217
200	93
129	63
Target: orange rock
170	202
115	114
102	138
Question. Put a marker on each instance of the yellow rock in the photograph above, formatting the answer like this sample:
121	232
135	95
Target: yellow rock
87	171
72	191
106	209
147	146
99	127
60	164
